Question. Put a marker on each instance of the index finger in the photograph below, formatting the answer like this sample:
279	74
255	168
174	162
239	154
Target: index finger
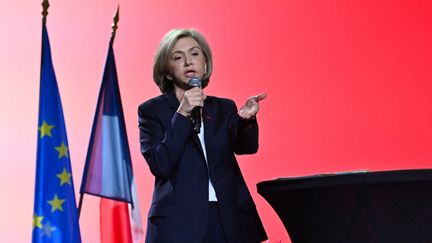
259	97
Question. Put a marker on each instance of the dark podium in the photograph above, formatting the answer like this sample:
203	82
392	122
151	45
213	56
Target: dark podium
355	207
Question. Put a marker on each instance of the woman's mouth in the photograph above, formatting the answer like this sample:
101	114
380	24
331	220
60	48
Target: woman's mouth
190	73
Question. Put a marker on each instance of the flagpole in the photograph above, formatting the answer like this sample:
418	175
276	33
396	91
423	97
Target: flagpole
114	27
45	6
80	204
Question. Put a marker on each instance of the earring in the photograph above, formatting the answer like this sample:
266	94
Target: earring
169	77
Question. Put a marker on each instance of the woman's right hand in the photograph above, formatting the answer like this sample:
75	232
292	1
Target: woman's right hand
191	98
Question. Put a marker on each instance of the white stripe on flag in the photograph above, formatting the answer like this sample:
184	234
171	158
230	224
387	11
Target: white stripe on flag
135	216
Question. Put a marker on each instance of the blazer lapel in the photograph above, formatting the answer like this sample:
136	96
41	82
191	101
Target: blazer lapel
209	127
172	100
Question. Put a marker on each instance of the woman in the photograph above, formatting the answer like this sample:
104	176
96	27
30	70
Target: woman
200	194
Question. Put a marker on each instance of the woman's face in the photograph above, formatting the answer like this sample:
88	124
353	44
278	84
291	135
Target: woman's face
186	60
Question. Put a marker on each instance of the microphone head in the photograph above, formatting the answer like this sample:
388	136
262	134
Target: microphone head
194	82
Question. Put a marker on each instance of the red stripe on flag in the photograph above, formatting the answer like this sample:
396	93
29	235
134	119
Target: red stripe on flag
114	221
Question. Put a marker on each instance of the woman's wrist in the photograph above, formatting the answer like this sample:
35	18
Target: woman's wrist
185	114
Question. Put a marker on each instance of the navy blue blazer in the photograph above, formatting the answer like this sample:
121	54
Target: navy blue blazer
179	208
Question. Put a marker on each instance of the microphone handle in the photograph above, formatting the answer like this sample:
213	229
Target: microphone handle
196	118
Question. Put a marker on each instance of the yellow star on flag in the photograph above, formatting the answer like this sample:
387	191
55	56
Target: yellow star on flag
37	221
56	203
63	150
45	129
64	177
47	229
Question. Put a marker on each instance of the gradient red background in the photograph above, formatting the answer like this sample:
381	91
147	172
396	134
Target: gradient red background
348	82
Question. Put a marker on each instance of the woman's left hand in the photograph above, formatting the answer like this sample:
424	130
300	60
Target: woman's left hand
251	108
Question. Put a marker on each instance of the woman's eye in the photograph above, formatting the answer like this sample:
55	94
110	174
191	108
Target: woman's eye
195	53
176	58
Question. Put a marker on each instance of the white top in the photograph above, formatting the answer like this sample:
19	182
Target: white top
212	193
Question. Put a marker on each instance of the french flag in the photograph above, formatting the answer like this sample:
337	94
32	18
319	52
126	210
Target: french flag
108	170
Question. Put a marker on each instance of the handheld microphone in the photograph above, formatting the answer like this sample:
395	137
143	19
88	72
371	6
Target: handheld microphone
196	111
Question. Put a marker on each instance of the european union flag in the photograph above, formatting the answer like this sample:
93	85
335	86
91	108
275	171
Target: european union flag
55	217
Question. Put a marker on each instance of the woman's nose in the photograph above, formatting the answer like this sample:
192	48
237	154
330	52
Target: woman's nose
188	61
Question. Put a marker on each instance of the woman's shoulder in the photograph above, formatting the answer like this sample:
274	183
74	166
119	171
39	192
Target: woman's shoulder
220	101
153	102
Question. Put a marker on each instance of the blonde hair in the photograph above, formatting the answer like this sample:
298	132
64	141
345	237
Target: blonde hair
160	66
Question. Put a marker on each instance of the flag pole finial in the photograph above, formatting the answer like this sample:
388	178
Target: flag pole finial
114	24
45	6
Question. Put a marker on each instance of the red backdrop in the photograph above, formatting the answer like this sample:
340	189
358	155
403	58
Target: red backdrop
348	83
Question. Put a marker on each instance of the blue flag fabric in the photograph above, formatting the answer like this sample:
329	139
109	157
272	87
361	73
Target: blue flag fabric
108	169
55	216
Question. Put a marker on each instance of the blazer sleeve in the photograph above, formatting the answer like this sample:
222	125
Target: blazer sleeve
243	133
162	146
